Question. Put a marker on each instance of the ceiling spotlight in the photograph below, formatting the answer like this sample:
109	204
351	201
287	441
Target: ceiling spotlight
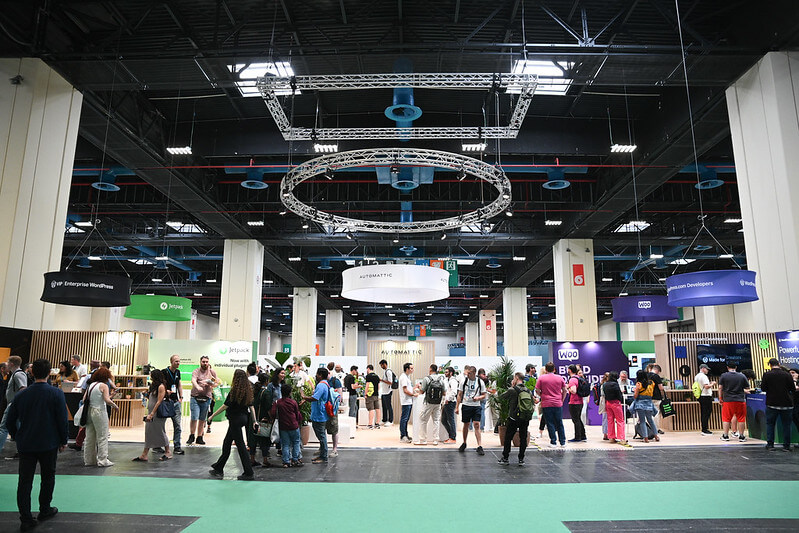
305	224
394	169
179	150
623	148
349	235
443	236
509	213
461	174
282	212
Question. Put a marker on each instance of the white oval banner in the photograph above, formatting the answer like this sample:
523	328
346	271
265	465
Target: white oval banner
395	284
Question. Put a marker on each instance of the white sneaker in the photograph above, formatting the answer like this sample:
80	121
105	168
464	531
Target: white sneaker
553	444
333	454
563	445
435	443
420	443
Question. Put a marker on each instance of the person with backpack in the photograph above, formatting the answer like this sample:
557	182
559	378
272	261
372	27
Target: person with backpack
614	409
332	421
388	383
17	382
704	387
471	392
372	396
434	388
319	417
577	385
520	410
644	408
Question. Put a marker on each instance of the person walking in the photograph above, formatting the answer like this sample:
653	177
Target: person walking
470	394
518	419
434	389
203	381
644	407
614	409
733	387
37	421
448	409
98	396
779	388
17	382
552	390
155	426
175	395
238	408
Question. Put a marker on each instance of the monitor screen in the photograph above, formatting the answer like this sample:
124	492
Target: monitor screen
716	356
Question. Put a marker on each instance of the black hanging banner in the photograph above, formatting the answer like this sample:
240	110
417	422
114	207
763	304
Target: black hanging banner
86	289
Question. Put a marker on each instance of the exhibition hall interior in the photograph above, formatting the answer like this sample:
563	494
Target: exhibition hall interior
528	261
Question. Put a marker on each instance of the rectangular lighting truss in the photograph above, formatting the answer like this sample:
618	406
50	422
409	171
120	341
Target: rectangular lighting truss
273	86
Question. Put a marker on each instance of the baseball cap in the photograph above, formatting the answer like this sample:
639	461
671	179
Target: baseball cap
703	366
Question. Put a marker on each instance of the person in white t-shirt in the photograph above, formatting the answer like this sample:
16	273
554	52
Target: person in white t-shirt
79	369
470	393
386	392
448	409
407	394
299	374
706	398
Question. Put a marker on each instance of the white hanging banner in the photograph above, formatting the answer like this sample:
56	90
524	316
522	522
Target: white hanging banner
395	284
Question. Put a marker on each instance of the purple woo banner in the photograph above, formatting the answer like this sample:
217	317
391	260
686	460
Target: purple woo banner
643	309
711	287
596	358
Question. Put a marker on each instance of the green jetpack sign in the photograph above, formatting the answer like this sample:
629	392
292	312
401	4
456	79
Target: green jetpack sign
155	307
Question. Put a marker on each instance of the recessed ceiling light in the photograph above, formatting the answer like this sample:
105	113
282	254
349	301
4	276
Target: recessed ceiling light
179	150
725	256
632	226
623	148
268	281
607	279
392	314
214	312
325	148
726	221
473	147
198	294
345	306
212	280
255	222
95	258
549	222
431	306
549	281
318	281
389	306
519	258
156	280
655	256
608	313
428	314
661	279
483	296
623	294
84	223
496	281
354	314
295	259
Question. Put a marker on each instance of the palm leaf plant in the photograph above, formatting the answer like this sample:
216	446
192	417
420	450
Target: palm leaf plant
501	376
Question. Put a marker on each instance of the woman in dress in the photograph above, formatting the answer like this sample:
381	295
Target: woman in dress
644	408
238	407
155	427
65	373
95	447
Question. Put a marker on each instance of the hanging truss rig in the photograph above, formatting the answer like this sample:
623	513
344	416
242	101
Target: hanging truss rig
524	84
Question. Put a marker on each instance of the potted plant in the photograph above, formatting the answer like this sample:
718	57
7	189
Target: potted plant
297	393
501	377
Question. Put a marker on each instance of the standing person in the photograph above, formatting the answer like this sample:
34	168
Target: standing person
37	419
352	386
65	373
407	394
17	382
614	409
530	373
386	382
517	419
95	447
705	398
482	375
154	426
174	395
658	393
576	405
262	402
203	381
795	375
779	388
434	390
286	414
80	369
299	374
238	408
733	387
601	407
3	383
321	395
448	410
624	383
252	373
644	407
372	397
471	393
552	390
332	421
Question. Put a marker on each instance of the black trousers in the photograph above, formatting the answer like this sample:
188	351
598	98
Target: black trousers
543	423
576	411
705	410
388	409
448	419
236	425
510	430
27	469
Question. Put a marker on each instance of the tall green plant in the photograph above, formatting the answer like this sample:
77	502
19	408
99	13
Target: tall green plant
501	376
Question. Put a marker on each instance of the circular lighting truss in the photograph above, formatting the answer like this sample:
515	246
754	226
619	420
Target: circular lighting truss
388	157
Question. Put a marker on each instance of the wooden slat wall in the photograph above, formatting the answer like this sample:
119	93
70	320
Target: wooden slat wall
421	363
57	346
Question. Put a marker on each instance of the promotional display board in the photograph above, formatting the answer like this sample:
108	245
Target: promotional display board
643	309
224	356
596	358
788	348
86	289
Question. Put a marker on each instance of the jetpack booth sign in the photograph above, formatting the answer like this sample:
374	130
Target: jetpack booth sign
154	307
711	287
788	348
596	358
224	356
86	289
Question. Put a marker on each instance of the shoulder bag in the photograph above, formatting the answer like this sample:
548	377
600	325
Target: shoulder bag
166	409
82	414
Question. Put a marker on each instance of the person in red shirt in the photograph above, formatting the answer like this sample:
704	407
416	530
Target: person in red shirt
286	414
552	390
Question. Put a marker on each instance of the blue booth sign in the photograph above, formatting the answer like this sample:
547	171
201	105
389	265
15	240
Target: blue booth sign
788	348
711	287
643	309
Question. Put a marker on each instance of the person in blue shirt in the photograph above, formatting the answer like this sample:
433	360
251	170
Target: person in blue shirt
37	420
321	395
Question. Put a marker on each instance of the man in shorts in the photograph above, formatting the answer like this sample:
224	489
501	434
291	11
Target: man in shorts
203	381
732	396
372	397
469	395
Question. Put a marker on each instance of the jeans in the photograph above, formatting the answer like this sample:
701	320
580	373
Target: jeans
646	423
771	421
388	409
576	412
321	434
605	422
705	410
448	419
198	410
27	469
4	429
510	430
614	410
353	399
554	418
236	425
482	415
290	442
429	409
406	415
176	424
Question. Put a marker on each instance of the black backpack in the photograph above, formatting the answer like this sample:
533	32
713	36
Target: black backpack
597	394
394	380
583	388
435	391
